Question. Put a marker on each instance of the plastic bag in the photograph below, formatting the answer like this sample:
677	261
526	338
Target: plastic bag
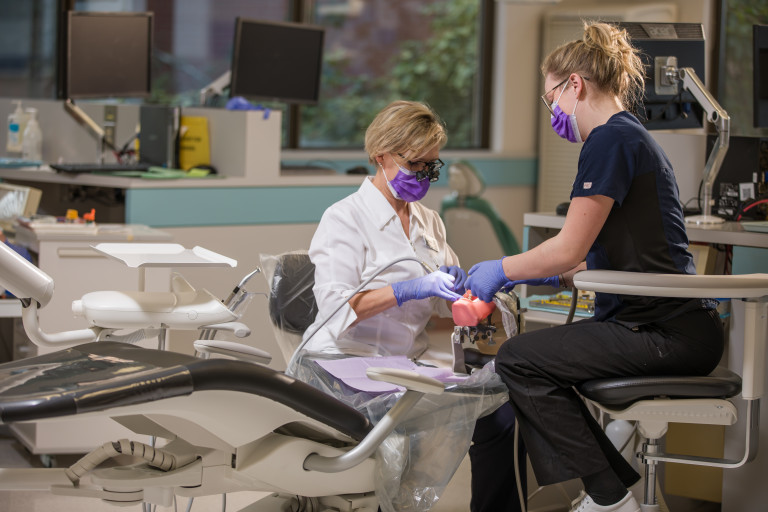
416	462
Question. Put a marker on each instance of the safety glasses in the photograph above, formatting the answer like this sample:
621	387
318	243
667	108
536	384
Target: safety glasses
424	170
548	103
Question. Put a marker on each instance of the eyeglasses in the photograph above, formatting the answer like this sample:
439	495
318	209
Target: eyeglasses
548	103
424	170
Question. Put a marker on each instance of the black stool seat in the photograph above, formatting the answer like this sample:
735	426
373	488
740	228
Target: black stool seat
622	391
103	375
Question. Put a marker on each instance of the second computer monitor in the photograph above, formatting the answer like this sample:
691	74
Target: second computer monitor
108	54
277	61
666	107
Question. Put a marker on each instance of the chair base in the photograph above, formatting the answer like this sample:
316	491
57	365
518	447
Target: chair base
348	502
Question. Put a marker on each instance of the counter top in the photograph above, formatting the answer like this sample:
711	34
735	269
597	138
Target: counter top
45	174
729	233
104	233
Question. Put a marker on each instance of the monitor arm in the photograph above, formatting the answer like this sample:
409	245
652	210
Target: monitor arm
715	115
215	88
91	126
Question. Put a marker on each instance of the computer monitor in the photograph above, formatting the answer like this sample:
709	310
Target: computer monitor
760	70
275	61
666	107
108	54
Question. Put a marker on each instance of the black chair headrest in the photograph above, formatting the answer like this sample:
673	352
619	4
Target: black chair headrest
292	306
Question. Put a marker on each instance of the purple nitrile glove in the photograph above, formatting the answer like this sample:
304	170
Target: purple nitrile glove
486	278
459	275
553	281
436	284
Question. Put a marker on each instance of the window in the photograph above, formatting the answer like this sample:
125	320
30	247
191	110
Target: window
381	50
735	63
436	51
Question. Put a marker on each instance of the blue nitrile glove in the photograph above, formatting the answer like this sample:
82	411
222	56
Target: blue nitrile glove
436	284
459	277
486	278
553	281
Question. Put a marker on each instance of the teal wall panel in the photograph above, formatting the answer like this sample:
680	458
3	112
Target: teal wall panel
178	207
750	260
229	206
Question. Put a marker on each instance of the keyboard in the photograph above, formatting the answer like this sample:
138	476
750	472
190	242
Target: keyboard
94	167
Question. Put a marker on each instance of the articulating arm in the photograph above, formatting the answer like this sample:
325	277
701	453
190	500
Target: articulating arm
715	115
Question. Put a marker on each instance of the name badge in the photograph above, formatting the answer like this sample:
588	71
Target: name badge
431	243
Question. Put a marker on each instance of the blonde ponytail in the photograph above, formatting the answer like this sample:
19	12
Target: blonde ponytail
604	55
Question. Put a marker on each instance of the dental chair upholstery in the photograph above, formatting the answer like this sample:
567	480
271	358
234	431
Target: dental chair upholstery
655	401
474	229
113	374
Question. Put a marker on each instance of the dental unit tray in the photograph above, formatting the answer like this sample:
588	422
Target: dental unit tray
137	255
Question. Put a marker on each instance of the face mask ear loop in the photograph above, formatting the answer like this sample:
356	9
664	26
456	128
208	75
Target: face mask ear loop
559	96
389	183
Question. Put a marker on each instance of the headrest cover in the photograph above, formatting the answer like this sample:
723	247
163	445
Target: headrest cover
292	305
464	179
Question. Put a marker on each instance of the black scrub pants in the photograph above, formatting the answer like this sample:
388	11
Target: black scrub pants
540	368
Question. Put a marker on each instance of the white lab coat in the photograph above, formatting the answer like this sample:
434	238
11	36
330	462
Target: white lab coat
357	236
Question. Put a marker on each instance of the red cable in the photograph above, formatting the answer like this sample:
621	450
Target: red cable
762	201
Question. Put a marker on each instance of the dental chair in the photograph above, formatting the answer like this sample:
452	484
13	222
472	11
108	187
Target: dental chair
222	425
655	401
427	448
474	229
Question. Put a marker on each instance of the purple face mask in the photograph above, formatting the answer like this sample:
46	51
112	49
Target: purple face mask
405	186
565	125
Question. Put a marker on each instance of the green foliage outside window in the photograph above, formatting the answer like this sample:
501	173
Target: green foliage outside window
441	70
736	96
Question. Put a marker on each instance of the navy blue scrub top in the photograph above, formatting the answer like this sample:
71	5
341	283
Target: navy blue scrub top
645	230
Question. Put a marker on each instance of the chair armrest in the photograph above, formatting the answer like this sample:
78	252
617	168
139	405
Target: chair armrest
407	379
673	285
416	386
234	350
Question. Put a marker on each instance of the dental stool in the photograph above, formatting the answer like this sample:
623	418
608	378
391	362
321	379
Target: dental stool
655	401
474	228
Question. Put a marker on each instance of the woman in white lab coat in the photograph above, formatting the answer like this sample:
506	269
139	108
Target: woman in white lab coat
358	237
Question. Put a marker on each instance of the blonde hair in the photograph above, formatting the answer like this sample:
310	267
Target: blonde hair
606	57
408	128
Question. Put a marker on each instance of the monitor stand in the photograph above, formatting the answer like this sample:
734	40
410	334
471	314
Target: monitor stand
91	126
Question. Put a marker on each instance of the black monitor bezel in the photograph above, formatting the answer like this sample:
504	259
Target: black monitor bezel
759	75
236	89
648	47
144	92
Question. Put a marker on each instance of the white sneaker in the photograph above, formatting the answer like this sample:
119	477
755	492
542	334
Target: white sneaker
584	503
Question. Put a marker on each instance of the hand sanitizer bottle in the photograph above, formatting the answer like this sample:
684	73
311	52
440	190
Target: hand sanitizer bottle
15	129
32	140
